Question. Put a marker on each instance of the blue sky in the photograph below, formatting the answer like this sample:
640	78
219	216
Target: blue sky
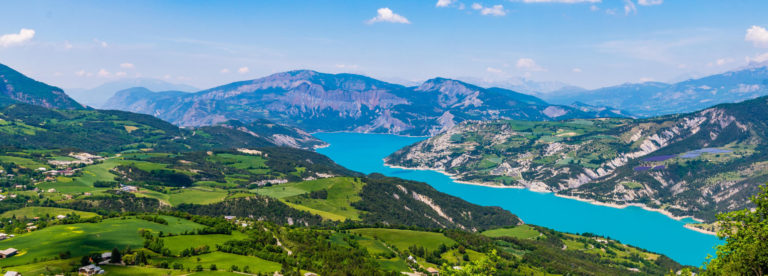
589	43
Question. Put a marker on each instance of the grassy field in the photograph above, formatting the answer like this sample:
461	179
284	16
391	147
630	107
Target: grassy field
197	195
402	239
252	163
31	212
139	271
178	243
224	261
520	232
84	183
54	267
86	238
342	192
23	162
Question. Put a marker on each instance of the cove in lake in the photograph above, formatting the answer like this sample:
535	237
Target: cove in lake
631	225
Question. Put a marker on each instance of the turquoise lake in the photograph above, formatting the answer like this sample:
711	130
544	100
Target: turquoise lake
632	225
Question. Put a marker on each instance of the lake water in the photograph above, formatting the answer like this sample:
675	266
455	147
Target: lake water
632	225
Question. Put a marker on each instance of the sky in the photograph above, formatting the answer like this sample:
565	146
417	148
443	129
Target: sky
588	43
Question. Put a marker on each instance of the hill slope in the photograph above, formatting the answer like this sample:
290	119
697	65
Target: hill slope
343	102
16	87
692	164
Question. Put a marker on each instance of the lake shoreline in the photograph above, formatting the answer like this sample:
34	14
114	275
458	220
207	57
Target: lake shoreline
590	201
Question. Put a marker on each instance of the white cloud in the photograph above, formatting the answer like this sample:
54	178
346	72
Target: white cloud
649	2
493	70
594	8
759	58
103	73
576	70
387	15
528	65
121	74
24	35
758	36
167	77
646	79
224	71
495	10
103	44
80	73
444	3
68	45
243	70
610	11
127	65
562	1
629	7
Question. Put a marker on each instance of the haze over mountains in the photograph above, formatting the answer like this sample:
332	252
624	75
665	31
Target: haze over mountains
346	102
97	96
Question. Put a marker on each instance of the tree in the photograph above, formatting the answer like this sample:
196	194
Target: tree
213	267
85	260
117	257
484	266
745	251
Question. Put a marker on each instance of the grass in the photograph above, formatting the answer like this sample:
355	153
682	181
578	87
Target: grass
252	163
84	183
454	257
139	270
31	212
178	243
55	267
85	238
189	195
224	261
520	232
402	239
23	162
342	192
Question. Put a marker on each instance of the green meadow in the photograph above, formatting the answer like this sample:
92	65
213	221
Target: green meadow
402	239
342	192
85	238
520	232
31	212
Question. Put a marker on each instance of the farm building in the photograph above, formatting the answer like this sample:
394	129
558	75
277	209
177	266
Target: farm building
8	253
12	273
90	269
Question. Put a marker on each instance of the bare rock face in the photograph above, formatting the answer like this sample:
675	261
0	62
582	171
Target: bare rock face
343	102
693	164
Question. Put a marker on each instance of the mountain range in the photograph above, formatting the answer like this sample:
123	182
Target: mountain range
697	164
656	98
316	102
16	87
97	96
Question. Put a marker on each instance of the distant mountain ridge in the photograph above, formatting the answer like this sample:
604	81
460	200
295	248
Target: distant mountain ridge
656	98
97	96
696	164
15	87
345	102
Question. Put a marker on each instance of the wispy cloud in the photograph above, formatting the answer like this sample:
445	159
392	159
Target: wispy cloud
243	70
127	65
24	35
629	7
387	15
649	2
561	1
495	10
444	3
528	64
